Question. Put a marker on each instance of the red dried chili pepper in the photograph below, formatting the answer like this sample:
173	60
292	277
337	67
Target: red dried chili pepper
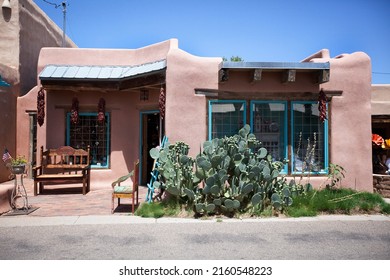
322	105
74	113
101	110
41	107
161	103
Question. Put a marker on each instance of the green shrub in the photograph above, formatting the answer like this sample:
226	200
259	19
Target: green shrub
385	208
301	212
169	207
150	210
341	201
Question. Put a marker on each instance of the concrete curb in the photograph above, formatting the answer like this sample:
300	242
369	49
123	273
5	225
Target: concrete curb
23	221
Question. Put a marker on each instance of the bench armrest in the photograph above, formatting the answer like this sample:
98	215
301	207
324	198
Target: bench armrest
37	170
122	179
85	170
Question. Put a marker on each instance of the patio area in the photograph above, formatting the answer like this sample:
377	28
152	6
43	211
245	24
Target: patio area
67	200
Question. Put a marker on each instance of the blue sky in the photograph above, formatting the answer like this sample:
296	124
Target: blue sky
256	30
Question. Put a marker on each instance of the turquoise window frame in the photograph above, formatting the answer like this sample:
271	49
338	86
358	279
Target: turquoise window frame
107	115
210	113
284	129
326	142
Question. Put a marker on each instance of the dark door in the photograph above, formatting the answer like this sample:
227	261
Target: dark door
150	139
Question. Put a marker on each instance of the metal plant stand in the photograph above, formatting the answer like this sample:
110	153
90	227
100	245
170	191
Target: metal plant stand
19	200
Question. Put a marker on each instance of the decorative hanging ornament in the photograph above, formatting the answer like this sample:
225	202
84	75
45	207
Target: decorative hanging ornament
74	113
41	106
161	103
101	111
322	105
377	140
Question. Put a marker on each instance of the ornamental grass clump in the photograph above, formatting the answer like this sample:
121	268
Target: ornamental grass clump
338	201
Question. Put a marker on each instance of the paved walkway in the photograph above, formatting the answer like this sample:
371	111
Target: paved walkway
68	205
69	201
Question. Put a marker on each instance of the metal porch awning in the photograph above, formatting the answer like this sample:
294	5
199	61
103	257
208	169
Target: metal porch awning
109	76
289	69
276	65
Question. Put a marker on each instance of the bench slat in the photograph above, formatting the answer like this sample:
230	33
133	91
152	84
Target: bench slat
67	166
59	176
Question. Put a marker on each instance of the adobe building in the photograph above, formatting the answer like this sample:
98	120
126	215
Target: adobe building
25	29
204	98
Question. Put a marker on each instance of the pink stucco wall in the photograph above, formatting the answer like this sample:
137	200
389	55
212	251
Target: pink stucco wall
350	118
186	113
380	99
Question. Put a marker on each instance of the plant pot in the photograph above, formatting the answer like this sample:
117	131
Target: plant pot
18	169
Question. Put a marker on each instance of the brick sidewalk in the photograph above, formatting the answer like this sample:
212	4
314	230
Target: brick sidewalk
69	201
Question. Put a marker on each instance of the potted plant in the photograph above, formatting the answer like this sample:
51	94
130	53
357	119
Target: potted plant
18	164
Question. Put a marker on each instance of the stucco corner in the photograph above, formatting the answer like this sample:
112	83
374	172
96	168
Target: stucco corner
174	42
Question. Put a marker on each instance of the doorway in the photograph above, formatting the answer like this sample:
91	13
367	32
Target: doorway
33	141
150	138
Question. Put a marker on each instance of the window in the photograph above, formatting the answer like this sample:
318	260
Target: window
227	117
268	123
309	138
288	130
89	132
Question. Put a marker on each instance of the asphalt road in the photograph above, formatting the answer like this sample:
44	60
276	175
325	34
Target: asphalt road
77	238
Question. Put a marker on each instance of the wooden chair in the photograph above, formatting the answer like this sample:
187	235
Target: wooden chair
126	191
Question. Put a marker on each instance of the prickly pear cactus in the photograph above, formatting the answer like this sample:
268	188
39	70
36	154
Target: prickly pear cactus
229	175
233	171
175	168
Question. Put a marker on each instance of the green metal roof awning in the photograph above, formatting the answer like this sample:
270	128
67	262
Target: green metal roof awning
103	77
99	73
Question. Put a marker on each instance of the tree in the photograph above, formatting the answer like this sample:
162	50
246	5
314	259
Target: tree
233	59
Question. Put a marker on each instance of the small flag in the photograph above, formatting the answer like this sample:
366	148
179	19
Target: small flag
6	155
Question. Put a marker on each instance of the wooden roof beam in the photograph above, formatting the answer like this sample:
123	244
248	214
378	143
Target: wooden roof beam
289	76
256	75
223	75
323	76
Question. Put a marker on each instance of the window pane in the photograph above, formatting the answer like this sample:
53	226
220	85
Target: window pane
227	118
309	139
269	126
89	132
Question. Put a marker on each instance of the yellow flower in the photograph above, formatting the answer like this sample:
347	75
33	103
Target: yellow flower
386	144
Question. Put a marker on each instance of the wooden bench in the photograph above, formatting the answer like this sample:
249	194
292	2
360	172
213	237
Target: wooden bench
64	165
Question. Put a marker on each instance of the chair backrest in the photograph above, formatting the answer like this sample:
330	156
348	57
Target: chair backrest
136	176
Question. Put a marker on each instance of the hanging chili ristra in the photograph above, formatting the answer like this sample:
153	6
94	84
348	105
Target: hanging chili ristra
322	105
74	113
41	106
101	111
161	103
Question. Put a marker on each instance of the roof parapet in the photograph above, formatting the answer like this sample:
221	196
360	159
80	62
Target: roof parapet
322	54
